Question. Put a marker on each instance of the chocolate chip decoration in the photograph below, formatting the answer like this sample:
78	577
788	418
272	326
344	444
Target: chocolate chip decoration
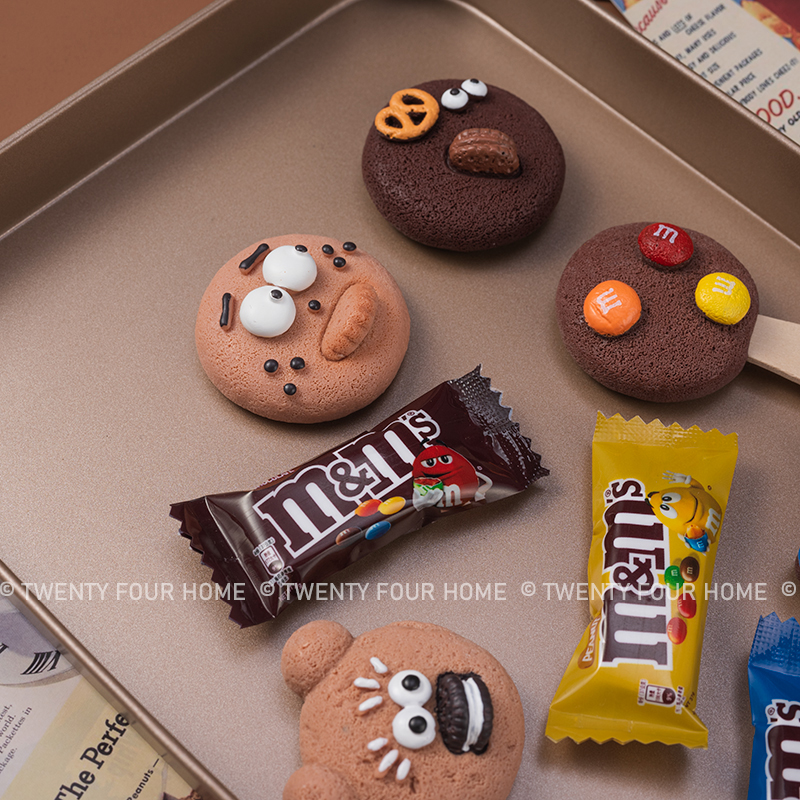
484	150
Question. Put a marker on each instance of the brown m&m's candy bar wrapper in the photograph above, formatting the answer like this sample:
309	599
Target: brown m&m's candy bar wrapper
658	502
453	449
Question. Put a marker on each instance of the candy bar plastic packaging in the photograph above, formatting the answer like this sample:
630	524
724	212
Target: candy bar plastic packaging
658	503
774	674
453	449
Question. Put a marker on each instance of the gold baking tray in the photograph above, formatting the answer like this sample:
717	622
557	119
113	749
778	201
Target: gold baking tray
249	122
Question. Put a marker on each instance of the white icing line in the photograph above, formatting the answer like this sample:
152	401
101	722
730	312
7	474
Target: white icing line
366	683
388	760
373	702
403	769
377	744
378	665
475	704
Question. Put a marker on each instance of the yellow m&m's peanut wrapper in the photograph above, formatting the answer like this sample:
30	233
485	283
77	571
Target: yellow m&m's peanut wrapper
658	502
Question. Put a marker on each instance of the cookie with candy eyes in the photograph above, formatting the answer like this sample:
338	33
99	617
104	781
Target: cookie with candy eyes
462	165
302	328
657	312
407	710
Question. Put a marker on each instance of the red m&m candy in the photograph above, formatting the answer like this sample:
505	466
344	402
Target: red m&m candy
666	245
687	605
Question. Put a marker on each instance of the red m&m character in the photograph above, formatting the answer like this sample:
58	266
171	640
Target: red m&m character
460	481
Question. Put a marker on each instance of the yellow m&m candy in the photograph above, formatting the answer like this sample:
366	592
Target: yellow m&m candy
722	297
392	505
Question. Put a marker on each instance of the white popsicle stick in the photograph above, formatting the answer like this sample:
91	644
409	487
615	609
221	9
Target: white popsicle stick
775	345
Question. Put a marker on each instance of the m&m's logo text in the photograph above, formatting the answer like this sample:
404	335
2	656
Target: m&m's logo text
321	497
636	607
783	750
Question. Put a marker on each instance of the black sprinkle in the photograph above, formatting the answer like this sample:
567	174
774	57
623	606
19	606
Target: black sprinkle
473	80
454	91
314	305
349	246
297	363
277	294
226	306
290	388
271	365
250	260
327	249
339	262
301	248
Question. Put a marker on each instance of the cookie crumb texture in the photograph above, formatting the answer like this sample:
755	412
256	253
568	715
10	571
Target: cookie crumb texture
342	347
374	727
674	352
417	189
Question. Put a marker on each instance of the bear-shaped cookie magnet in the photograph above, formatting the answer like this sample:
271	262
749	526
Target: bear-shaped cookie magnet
410	710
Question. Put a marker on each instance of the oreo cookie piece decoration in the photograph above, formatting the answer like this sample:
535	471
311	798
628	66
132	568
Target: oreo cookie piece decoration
465	712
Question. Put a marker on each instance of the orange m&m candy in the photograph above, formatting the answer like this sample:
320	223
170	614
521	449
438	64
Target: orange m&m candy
368	507
612	308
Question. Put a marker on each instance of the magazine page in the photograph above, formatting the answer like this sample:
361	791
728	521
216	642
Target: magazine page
746	48
59	738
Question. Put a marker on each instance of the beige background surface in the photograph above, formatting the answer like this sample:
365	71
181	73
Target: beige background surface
108	418
49	50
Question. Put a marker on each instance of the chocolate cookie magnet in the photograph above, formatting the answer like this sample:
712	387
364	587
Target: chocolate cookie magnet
462	165
657	312
407	710
302	328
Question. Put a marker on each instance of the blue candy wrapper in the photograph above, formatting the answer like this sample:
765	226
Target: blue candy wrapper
774	676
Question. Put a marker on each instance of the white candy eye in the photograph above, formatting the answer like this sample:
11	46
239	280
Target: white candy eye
413	727
475	87
267	311
410	688
290	267
455	99
668	511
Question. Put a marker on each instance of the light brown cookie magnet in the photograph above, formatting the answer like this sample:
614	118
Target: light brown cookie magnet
410	710
302	328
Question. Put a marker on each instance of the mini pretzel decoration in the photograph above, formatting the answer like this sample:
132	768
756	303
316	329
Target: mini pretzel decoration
425	110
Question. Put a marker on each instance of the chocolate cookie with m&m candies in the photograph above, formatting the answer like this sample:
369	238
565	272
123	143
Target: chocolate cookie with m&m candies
657	312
